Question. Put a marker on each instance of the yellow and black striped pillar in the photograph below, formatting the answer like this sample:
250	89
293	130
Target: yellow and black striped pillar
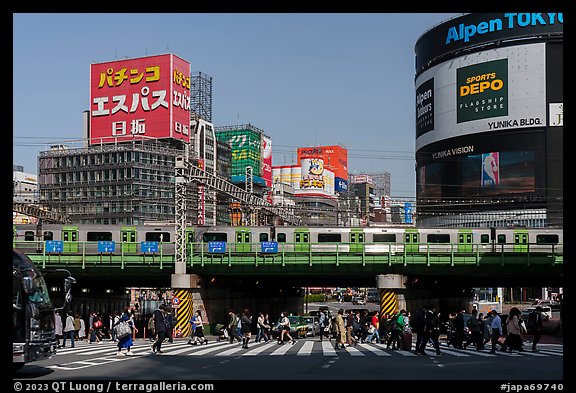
388	302
183	311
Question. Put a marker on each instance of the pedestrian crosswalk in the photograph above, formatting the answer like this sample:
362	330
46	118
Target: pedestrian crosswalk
88	354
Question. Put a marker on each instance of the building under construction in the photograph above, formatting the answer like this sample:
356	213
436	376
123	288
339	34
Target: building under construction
128	183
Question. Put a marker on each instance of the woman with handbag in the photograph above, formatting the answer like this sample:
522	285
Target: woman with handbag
124	328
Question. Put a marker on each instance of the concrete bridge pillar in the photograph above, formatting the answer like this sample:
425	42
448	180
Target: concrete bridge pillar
391	288
187	300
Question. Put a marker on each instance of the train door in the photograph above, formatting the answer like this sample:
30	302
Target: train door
411	240
70	239
189	235
465	240
356	240
302	240
243	240
520	240
128	239
189	240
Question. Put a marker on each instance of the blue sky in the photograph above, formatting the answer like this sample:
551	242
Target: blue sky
305	79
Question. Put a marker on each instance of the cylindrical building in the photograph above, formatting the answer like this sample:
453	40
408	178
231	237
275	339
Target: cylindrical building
489	121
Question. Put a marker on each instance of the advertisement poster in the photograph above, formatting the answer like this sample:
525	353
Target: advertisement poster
147	97
482	90
490	169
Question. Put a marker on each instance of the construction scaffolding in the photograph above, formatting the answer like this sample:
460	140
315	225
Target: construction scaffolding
246	150
201	97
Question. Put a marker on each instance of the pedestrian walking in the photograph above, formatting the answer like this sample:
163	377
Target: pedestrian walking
151	328
233	326
58	332
125	342
198	329
340	329
373	329
324	323
285	329
350	319
433	324
395	341
419	326
535	323
82	332
497	334
487	330
170	323
76	327
246	324
261	326
161	328
69	330
267	328
514	337
97	326
473	325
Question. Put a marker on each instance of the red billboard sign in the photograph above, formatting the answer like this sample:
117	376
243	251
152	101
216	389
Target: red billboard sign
146	97
335	158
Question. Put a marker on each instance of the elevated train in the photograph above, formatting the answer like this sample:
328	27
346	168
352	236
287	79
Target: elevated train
369	240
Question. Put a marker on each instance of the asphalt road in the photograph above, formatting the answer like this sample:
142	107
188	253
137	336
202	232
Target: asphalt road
308	359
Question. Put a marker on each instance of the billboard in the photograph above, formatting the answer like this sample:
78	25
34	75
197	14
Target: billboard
490	170
476	29
146	97
312	174
335	158
492	90
267	160
340	185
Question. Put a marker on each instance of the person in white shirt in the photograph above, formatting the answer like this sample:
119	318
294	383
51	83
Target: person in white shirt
69	331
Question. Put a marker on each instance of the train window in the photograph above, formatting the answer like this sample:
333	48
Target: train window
263	237
501	239
438	238
281	238
157	237
48	235
98	236
329	238
214	237
29	236
547	239
384	238
484	239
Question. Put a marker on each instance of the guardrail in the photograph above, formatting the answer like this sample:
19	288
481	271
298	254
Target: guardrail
203	256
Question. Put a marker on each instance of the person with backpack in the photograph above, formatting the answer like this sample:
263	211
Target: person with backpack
395	340
475	333
233	326
535	326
